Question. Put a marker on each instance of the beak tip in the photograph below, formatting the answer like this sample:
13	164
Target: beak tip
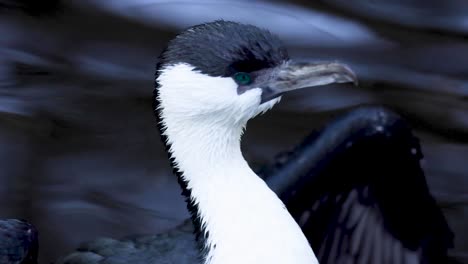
348	75
355	80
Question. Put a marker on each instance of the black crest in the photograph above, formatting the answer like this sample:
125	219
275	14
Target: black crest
221	48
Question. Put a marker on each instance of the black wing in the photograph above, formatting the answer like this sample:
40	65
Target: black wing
18	242
359	194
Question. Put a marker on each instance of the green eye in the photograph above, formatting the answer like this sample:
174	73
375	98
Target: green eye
243	78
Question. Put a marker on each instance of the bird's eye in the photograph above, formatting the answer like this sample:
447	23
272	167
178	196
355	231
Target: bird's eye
243	78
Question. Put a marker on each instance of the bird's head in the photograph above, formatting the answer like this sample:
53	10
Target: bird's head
226	73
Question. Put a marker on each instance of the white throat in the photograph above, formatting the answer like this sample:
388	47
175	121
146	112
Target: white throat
246	221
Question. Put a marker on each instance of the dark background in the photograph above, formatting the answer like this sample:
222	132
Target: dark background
80	154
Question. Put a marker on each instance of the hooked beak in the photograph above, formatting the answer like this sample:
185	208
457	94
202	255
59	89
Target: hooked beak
294	76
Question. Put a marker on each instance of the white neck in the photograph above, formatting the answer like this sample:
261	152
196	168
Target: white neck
246	222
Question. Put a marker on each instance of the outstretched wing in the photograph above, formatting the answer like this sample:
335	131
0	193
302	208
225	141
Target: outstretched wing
18	242
359	194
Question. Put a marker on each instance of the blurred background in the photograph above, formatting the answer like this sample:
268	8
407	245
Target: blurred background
80	155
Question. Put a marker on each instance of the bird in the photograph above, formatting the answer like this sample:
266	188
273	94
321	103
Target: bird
210	81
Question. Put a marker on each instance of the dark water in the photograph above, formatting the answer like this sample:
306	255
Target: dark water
81	156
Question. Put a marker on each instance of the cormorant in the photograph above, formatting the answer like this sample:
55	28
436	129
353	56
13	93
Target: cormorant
210	81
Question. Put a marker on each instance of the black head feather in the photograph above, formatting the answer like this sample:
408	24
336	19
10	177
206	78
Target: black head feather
221	48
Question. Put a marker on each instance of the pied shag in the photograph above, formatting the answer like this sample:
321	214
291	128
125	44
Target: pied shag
338	186
211	80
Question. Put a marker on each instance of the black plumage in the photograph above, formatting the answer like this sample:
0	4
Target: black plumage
360	194
222	48
18	242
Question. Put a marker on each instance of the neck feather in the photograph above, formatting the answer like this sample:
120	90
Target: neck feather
239	219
